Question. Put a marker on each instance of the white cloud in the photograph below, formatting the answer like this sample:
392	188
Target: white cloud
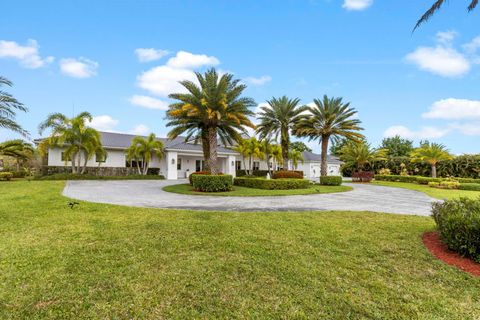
357	4
27	55
258	81
148	102
140	130
164	80
469	129
150	54
423	133
444	61
454	109
472	46
189	60
103	123
446	37
78	68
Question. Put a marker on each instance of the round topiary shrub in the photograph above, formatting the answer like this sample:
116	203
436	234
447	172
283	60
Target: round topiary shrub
285	174
458	223
331	180
212	183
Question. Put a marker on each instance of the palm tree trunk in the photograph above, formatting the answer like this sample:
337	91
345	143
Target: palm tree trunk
84	164
250	169
323	169
138	167
434	170
213	156
267	156
72	160
206	150
245	165
285	146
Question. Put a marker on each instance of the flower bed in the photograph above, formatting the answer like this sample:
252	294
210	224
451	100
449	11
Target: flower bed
364	176
284	174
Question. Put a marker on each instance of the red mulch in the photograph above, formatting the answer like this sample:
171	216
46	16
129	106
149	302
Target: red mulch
440	250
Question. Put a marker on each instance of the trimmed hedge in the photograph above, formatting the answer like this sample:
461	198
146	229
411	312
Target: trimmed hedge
273	184
262	173
198	172
6	176
212	183
70	176
364	176
469	186
331	180
451	184
458	223
422	180
284	174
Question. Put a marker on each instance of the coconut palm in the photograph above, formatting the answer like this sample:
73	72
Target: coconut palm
329	118
18	149
360	153
212	110
143	149
436	6
278	119
8	107
431	153
295	156
73	135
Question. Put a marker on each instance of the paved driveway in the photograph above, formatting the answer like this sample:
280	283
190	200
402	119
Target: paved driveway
149	193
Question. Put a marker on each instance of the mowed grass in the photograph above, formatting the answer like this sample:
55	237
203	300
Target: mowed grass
432	192
110	262
251	192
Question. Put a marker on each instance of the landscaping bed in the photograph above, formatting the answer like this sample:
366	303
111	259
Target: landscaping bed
69	176
238	191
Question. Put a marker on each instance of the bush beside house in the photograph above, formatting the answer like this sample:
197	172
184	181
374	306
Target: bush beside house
331	180
212	183
273	184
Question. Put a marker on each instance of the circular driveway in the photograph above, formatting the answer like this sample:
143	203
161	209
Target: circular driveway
149	193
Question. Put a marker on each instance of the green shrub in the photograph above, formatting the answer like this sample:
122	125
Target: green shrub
425	180
469	186
212	183
284	174
6	176
331	180
261	173
70	176
273	184
468	180
446	184
198	172
458	223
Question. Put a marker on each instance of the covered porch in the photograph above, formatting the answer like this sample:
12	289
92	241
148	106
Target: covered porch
180	165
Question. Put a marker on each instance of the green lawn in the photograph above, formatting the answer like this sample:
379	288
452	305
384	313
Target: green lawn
250	192
110	262
432	192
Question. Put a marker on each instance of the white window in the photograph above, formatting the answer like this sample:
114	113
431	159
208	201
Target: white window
179	164
256	165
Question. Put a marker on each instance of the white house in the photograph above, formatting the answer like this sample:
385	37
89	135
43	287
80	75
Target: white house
182	158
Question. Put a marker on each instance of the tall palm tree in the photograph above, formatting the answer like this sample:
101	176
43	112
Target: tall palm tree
329	118
8	107
436	6
73	134
17	149
212	110
360	154
278	119
431	153
296	156
144	149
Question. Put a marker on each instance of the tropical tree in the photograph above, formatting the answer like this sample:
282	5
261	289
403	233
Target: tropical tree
79	141
8	107
359	154
295	156
329	118
212	110
397	147
278	119
300	146
250	149
17	149
142	150
277	156
436	6
431	153
267	151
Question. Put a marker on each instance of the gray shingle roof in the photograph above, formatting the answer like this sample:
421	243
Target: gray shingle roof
310	156
122	140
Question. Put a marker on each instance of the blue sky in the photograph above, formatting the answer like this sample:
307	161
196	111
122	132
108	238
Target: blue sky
66	56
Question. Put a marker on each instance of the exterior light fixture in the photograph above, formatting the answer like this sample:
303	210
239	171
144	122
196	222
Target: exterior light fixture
173	161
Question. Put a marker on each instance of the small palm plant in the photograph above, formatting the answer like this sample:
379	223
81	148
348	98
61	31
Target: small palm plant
8	107
79	141
278	119
359	154
431	153
212	110
329	118
250	149
296	157
277	156
142	150
17	149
